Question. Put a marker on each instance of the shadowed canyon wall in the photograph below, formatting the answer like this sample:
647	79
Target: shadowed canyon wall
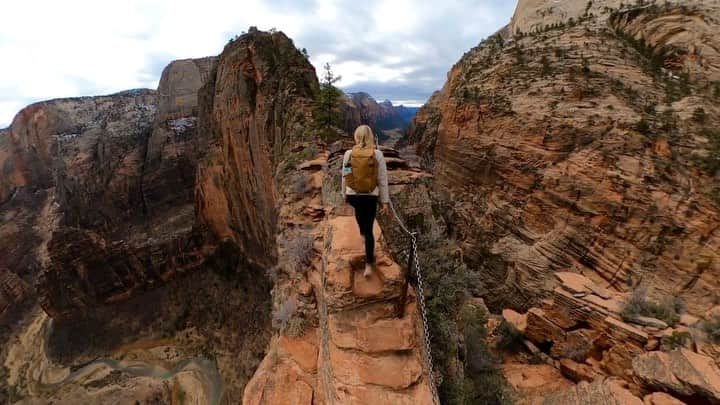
116	194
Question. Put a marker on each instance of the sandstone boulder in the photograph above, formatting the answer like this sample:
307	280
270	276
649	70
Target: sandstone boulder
599	392
680	371
661	398
535	380
577	371
519	321
540	329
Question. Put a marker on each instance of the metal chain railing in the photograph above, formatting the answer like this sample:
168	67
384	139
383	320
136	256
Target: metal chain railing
423	309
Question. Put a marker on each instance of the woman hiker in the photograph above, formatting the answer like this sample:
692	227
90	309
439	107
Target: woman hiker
364	181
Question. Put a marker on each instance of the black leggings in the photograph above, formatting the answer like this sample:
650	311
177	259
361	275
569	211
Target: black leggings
365	210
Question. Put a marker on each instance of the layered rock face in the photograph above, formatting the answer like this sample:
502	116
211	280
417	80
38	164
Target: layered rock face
109	199
254	108
131	192
361	108
534	15
124	212
586	147
70	159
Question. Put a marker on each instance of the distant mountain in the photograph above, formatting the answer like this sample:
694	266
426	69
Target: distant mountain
361	108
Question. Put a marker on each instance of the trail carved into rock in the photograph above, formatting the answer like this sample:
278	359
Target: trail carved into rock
359	352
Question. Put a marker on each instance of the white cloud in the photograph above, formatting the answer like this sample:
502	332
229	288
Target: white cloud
398	48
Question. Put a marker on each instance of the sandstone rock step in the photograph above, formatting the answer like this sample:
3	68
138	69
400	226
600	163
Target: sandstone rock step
360	353
418	394
396	370
373	329
373	357
346	287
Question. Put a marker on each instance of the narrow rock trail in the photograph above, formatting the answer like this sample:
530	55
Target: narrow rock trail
357	351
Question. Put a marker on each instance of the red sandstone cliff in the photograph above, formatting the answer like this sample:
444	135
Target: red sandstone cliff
579	154
115	195
587	144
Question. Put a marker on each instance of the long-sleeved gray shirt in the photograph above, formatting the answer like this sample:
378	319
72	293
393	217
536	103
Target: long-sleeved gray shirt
382	181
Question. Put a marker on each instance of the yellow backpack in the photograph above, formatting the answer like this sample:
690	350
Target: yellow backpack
363	176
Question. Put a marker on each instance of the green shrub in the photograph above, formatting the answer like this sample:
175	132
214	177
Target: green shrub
519	54
650	109
295	327
509	337
715	195
699	115
668	120
291	163
484	382
675	340
711	162
546	68
712	328
666	309
327	113
467	370
585	67
643	126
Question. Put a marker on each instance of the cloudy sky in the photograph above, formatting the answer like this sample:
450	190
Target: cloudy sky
393	49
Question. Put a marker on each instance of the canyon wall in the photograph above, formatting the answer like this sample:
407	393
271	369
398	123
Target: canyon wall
576	180
253	109
115	195
115	208
586	147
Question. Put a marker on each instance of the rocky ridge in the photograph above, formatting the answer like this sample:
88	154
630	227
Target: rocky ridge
340	340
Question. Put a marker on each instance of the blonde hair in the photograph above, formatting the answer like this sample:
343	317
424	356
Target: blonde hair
364	137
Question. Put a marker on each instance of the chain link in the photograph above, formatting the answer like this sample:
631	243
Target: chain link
420	293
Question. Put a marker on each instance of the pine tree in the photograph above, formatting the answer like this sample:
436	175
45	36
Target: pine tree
327	112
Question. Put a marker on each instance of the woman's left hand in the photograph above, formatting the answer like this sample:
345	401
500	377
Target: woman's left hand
385	209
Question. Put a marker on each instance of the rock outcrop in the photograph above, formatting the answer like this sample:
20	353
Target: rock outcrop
131	189
124	222
253	109
582	334
109	198
552	159
75	159
576	146
681	372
